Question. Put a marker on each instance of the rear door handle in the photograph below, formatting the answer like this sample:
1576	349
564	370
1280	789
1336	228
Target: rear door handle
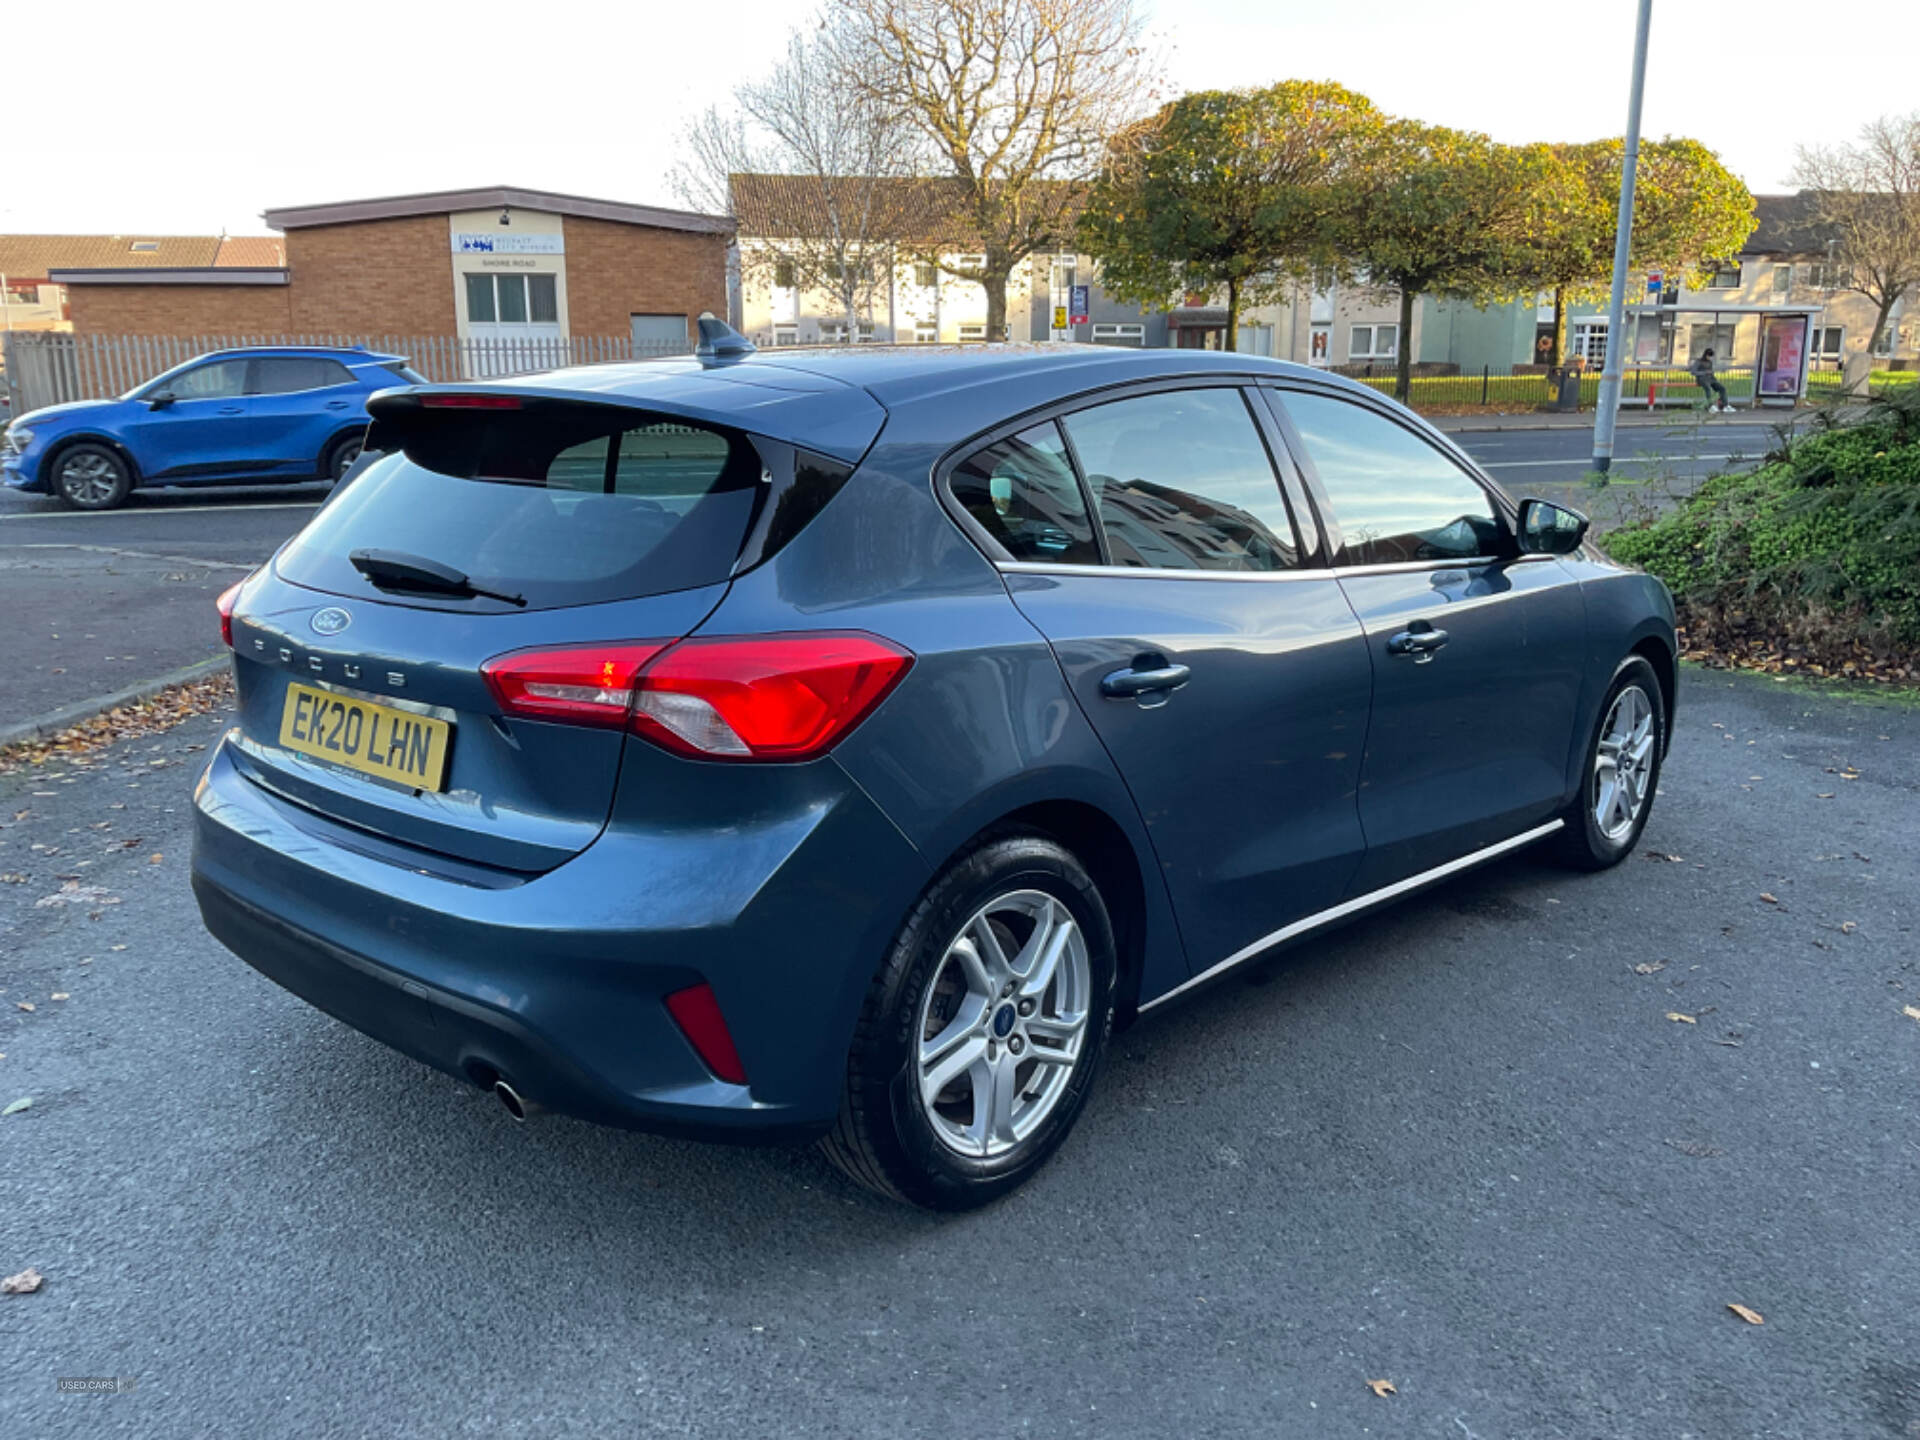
337	404
1149	681
1419	640
233	409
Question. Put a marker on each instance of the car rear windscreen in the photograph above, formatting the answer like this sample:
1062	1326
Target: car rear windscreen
563	507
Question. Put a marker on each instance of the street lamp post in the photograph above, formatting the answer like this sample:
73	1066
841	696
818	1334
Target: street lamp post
1610	374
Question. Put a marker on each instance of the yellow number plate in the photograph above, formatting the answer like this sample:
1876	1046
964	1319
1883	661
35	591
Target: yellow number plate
373	739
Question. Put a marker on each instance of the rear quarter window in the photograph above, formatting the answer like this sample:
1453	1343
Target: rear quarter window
569	509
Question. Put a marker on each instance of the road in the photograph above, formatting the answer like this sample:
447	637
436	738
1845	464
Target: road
100	601
1463	1147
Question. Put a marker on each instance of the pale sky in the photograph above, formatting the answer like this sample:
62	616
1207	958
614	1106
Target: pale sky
127	116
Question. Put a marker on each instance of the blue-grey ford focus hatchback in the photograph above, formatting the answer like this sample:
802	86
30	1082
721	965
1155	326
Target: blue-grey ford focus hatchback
837	745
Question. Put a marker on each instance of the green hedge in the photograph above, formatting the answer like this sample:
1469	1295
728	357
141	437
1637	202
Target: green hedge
1820	543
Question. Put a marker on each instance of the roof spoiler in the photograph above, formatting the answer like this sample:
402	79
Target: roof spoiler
720	344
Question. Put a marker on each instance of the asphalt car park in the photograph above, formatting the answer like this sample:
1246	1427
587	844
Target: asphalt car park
1465	1147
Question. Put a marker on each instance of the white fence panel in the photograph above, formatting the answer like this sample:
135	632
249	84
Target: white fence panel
42	368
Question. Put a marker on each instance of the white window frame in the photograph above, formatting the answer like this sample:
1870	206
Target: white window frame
1816	349
926	332
1373	350
1783	277
1120	332
1723	267
786	335
1888	334
974	333
930	279
1589	340
834	332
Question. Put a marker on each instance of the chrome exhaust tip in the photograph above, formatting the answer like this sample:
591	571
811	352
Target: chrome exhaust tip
516	1104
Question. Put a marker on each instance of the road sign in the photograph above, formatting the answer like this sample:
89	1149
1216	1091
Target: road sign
1059	317
1654	279
1080	305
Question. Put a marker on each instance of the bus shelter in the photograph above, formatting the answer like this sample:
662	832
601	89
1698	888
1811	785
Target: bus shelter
1779	358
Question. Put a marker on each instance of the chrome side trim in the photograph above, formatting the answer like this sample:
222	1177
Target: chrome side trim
1359	903
1145	572
1311	572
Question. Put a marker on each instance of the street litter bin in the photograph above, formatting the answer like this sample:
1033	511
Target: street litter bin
1568	397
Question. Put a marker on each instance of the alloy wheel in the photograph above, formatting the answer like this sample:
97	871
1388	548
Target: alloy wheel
344	457
1623	763
1003	1023
88	478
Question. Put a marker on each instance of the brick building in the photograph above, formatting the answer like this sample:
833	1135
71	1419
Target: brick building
496	264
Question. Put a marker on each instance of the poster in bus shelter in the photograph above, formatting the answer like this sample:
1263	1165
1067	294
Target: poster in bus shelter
1783	346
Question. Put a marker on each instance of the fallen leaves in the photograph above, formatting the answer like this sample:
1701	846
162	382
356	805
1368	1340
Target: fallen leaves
1769	898
25	1102
155	858
1663	855
25	1283
1649	967
1752	1317
26	1005
150	717
1382	1388
75	893
12	877
1680	1019
1847	927
1912	1012
59	995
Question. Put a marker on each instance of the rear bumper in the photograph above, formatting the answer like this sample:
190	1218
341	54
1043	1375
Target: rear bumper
556	983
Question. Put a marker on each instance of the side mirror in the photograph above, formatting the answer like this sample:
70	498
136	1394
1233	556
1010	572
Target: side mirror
162	400
1549	529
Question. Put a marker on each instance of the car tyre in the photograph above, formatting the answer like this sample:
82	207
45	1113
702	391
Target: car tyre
1619	772
91	477
958	1084
340	457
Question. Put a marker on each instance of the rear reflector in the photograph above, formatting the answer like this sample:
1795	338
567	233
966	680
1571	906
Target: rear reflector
751	697
696	1010
228	598
470	402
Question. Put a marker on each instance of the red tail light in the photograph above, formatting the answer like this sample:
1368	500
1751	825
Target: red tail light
764	697
470	402
696	1010
758	697
225	604
578	685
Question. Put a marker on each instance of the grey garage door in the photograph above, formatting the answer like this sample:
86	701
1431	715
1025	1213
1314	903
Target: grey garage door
660	335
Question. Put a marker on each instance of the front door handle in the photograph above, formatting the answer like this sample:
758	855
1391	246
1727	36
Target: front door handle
233	409
1147	680
1419	640
338	404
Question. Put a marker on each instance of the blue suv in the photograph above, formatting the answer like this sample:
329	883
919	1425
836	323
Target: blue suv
293	413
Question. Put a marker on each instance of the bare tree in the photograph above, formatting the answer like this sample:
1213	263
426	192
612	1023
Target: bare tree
1868	196
820	157
1007	98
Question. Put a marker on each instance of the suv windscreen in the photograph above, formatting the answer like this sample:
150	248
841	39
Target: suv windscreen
559	507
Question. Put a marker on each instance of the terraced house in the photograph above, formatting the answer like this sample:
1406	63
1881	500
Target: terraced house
796	235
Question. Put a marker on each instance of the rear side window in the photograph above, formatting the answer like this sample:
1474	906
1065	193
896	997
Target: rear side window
222	380
287	375
1023	493
1181	480
402	370
1395	497
568	508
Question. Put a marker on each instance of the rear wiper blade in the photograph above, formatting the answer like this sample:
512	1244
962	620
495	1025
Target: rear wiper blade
398	570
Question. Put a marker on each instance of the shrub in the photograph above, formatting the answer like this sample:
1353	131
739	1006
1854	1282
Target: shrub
1820	543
